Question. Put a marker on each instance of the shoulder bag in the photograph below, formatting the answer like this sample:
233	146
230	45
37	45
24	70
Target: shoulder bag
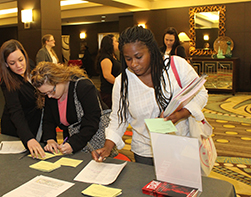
201	130
98	140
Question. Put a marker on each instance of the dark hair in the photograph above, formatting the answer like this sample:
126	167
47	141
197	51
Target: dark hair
171	31
106	47
146	37
6	75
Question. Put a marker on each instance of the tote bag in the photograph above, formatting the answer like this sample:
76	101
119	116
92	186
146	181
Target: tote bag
201	130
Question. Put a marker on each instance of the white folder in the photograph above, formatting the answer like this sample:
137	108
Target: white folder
176	159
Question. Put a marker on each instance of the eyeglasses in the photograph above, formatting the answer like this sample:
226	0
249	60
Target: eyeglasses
50	92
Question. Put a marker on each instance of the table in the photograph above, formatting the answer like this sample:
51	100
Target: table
15	172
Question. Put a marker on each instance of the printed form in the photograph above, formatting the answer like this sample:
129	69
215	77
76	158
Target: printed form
100	173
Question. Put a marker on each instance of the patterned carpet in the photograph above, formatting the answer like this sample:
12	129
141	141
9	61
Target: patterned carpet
230	117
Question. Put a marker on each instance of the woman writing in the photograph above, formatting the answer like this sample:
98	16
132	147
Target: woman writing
144	90
171	44
21	117
46	53
71	103
109	66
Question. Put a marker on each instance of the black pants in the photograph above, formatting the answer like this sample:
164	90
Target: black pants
144	160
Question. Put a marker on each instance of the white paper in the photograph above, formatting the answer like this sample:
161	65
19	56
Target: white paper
11	147
185	95
177	160
100	173
40	186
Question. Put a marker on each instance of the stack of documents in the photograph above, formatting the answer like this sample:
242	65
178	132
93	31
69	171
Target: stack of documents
185	95
100	172
48	155
11	147
41	186
45	166
101	191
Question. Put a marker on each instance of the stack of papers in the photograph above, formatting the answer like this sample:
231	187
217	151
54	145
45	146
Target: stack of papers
159	125
68	162
100	172
185	95
48	155
45	166
101	191
11	147
41	186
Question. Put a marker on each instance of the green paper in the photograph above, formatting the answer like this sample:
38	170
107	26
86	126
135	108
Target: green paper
158	125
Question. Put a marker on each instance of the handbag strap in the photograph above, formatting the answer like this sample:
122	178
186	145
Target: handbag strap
175	71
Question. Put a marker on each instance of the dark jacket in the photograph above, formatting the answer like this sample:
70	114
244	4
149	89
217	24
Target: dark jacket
43	55
87	95
21	117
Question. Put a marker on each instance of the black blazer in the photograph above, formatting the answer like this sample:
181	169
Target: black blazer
21	117
87	95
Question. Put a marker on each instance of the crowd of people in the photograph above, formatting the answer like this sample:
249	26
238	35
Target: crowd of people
137	85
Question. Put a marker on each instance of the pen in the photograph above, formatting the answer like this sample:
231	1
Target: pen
26	153
65	140
1	145
92	149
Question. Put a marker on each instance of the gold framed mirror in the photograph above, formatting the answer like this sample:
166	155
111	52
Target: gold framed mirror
199	25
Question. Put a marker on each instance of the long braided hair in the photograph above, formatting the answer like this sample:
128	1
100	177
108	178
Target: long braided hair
145	36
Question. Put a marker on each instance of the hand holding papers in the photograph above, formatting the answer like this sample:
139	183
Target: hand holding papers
100	173
185	95
159	125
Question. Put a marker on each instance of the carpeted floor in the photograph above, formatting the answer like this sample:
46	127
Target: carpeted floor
230	117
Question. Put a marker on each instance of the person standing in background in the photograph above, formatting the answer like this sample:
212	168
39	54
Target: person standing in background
21	117
109	66
171	44
46	53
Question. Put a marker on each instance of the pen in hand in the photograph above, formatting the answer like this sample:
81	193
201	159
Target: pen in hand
92	149
65	140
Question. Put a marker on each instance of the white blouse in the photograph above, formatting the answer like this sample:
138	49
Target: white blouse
143	105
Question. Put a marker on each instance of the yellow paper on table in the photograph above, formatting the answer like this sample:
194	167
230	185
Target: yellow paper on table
68	162
45	166
58	154
101	191
47	156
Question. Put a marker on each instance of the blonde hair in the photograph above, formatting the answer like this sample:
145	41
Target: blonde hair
53	74
45	39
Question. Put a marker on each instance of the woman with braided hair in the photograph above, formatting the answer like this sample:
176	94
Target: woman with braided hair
144	90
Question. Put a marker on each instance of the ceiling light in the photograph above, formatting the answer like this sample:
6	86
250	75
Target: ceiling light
8	11
72	2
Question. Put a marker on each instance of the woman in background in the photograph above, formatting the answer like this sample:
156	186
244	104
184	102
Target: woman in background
71	102
171	44
46	53
109	66
21	117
